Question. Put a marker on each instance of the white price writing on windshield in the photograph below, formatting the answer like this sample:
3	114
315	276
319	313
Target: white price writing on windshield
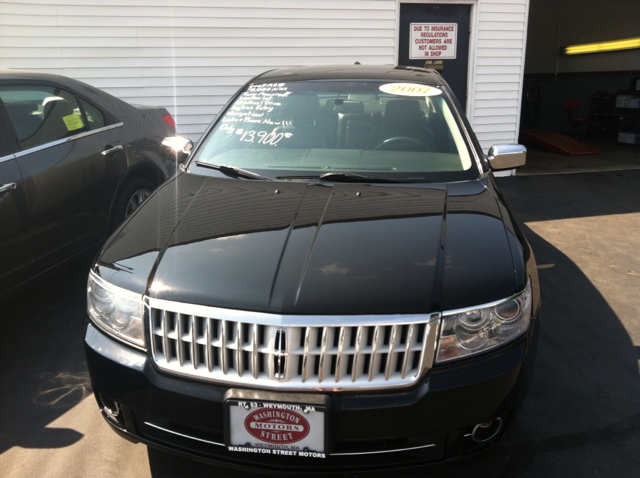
263	137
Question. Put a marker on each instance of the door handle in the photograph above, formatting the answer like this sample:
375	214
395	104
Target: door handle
107	152
5	188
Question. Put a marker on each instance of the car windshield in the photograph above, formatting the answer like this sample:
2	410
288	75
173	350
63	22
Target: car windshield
376	129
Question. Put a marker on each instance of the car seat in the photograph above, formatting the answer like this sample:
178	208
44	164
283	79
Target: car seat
300	113
402	119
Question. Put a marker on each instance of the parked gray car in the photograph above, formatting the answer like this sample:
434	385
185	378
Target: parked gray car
74	162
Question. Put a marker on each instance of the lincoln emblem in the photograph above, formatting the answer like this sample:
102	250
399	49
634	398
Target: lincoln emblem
280	354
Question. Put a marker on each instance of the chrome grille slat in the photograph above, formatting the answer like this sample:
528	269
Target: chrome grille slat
305	356
195	355
180	346
208	349
374	362
408	349
338	372
355	373
239	366
390	356
254	351
165	332
323	354
423	355
223	347
334	353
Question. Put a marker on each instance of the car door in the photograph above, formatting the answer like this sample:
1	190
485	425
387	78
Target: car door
71	158
15	246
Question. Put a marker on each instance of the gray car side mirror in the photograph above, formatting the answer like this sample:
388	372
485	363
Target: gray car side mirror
507	156
180	146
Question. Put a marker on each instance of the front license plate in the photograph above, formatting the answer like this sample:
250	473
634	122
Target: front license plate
276	428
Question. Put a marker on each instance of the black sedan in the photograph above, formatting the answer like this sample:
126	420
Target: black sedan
332	282
74	162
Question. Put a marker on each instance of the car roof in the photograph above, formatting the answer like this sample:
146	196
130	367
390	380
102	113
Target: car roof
109	102
351	72
299	73
11	74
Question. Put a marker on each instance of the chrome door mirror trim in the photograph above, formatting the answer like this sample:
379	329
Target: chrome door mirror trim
180	146
507	156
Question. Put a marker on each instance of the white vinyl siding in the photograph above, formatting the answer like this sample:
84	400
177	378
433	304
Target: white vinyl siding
500	41
190	56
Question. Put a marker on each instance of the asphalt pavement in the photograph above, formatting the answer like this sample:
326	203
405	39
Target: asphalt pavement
581	418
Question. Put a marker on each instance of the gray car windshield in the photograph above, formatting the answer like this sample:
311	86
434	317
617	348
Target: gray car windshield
392	130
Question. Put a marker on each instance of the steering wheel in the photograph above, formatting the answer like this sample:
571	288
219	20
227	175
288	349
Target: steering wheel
392	143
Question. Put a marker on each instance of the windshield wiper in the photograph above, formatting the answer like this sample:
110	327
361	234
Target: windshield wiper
233	172
344	177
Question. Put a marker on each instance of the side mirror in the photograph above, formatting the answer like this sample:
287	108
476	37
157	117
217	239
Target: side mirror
507	156
180	146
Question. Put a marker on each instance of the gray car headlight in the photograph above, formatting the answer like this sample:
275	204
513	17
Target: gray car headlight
115	310
471	331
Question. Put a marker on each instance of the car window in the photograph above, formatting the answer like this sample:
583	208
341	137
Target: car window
392	129
94	117
4	144
42	114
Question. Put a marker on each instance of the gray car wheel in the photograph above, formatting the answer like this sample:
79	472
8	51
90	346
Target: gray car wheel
135	200
132	196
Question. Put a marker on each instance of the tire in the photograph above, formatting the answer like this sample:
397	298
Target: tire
131	197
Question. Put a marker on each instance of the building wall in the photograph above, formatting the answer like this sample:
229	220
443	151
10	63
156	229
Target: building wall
191	55
501	29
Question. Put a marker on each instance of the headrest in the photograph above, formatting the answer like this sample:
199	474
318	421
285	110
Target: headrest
403	112
23	121
20	110
301	107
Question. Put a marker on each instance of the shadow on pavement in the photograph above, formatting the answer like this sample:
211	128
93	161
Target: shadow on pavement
43	371
586	384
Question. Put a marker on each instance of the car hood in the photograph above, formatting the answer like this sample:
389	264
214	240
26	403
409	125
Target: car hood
328	248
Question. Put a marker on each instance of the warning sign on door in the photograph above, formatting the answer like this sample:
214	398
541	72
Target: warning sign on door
433	40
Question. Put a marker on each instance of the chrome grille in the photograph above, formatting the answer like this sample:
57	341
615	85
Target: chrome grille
287	352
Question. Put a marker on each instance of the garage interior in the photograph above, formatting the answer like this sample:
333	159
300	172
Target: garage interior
591	97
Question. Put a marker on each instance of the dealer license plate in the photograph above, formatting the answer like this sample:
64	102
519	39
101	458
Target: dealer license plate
276	428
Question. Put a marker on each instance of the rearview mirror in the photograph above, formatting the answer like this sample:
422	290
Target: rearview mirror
507	156
180	146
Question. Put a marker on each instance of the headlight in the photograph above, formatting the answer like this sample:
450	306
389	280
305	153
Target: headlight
115	310
472	331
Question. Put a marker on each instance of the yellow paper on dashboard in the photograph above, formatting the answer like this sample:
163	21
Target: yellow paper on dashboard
73	122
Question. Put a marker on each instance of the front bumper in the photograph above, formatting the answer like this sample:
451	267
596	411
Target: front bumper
430	422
